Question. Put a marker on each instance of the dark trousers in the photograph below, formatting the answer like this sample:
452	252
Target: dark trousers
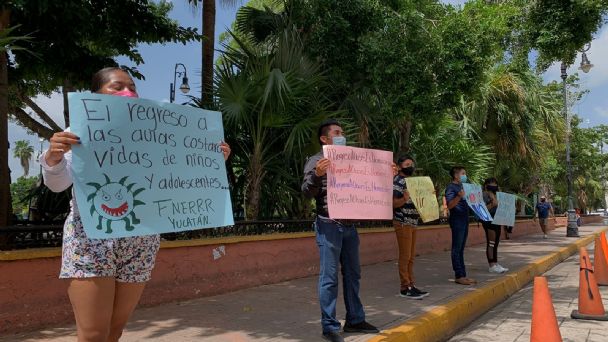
492	240
460	232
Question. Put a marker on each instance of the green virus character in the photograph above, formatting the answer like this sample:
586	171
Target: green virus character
114	201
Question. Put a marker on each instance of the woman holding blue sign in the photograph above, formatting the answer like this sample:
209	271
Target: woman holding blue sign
107	276
492	231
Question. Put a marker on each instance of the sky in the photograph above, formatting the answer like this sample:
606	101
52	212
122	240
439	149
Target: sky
160	62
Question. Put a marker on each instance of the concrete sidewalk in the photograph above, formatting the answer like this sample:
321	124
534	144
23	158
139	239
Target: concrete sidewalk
510	321
289	311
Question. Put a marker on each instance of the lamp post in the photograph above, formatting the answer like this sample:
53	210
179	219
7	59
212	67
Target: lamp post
572	230
185	88
39	154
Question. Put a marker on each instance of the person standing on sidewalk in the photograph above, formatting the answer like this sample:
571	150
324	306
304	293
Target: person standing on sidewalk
492	231
543	209
405	220
459	222
106	277
338	243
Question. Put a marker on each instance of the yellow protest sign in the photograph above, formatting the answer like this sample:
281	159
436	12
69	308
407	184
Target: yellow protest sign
422	193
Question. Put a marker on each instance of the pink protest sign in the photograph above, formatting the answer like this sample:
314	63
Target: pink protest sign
359	183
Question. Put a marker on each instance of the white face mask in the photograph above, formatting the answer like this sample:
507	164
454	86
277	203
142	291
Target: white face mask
339	141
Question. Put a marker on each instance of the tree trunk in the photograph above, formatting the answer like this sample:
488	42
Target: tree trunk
5	201
208	48
67	87
405	133
254	186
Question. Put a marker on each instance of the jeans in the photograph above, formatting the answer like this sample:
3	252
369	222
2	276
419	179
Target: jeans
460	232
338	244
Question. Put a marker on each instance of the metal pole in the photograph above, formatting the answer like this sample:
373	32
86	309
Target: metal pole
172	88
572	230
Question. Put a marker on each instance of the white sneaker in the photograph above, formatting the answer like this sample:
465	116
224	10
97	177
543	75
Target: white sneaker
545	236
504	269
496	269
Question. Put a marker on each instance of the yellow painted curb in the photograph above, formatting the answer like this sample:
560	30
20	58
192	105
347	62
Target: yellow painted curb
443	321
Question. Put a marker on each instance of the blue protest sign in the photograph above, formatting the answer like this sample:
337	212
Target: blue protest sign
146	167
474	199
505	212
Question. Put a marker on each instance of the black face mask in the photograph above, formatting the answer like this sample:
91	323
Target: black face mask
492	188
408	171
542	200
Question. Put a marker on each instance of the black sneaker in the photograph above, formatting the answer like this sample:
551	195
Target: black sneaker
410	294
418	291
362	327
333	336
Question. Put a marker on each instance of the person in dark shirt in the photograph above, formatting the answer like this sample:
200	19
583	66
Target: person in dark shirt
405	220
459	222
543	209
492	231
338	243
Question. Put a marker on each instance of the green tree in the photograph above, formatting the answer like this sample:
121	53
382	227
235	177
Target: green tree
68	41
20	191
520	118
270	97
23	151
74	39
559	29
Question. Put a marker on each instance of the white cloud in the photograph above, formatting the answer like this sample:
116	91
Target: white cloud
601	111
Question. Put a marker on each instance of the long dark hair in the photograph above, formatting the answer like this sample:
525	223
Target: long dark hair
102	77
489	181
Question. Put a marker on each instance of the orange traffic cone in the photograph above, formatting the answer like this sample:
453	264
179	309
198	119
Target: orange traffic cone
600	260
544	321
590	304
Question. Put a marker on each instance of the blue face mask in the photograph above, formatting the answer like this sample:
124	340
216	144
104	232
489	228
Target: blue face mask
463	178
339	141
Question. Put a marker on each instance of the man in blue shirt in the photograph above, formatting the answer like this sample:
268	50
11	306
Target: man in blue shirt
459	222
543	209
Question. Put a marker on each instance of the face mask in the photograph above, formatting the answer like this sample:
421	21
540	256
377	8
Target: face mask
408	171
341	141
463	178
542	199
126	93
492	188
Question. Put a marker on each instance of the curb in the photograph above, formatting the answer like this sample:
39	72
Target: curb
445	320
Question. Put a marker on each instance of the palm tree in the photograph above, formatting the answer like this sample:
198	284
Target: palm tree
24	151
208	46
520	118
270	93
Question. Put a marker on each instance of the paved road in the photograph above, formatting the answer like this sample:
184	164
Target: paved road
510	321
289	311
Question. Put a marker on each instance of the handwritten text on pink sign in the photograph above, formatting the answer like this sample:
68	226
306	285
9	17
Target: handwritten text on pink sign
359	183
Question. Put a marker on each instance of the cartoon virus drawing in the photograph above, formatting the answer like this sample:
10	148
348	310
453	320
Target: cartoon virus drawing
114	201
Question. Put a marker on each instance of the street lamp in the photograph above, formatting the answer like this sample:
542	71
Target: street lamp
572	229
585	63
185	88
